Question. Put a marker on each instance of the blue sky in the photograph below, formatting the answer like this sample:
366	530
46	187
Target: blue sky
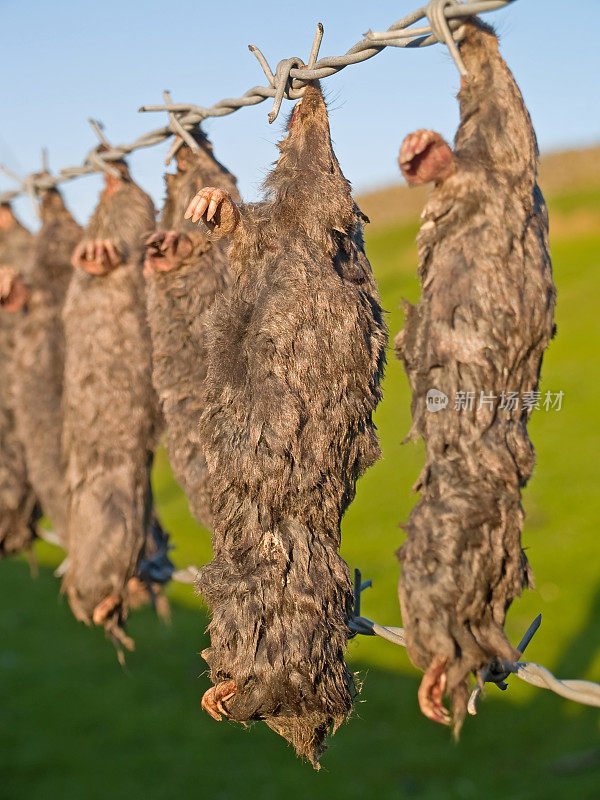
68	60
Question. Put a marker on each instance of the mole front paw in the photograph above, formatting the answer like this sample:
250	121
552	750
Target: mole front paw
216	209
213	699
96	256
165	251
425	156
431	691
13	292
7	277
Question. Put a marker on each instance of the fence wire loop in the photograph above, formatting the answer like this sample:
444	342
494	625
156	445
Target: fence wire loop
288	83
98	156
96	159
281	80
282	83
436	16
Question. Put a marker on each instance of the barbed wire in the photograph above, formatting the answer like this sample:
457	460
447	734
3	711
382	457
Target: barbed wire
157	563
288	81
584	692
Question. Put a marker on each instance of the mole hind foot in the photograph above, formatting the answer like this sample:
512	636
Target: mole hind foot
217	210
105	608
425	156
431	691
96	256
165	251
213	699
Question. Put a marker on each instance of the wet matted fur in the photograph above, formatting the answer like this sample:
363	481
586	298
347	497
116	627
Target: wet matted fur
177	302
295	359
110	412
18	511
483	322
40	353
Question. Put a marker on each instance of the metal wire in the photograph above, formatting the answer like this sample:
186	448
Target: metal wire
289	79
584	692
187	575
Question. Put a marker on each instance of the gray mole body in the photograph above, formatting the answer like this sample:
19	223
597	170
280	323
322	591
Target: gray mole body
295	359
483	322
177	303
40	353
110	411
18	512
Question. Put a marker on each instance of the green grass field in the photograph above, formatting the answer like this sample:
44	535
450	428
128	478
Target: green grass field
75	726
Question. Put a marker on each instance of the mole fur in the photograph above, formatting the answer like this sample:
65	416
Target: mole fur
178	298
40	353
18	507
482	324
296	353
111	417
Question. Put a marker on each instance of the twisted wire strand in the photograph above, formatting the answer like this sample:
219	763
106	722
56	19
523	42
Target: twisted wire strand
288	81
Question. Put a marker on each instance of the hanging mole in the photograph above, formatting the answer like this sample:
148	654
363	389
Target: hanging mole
19	510
477	335
185	272
295	360
40	354
110	408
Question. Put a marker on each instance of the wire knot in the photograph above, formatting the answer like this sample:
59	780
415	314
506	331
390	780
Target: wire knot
182	135
435	11
497	672
282	83
97	158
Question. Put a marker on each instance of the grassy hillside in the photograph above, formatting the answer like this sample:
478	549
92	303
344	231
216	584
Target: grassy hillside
75	726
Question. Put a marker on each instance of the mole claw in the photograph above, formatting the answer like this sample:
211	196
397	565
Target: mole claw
201	206
213	699
431	692
208	704
211	209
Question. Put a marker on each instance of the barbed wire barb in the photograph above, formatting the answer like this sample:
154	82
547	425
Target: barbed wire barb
10	174
26	185
98	129
289	81
263	63
316	45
